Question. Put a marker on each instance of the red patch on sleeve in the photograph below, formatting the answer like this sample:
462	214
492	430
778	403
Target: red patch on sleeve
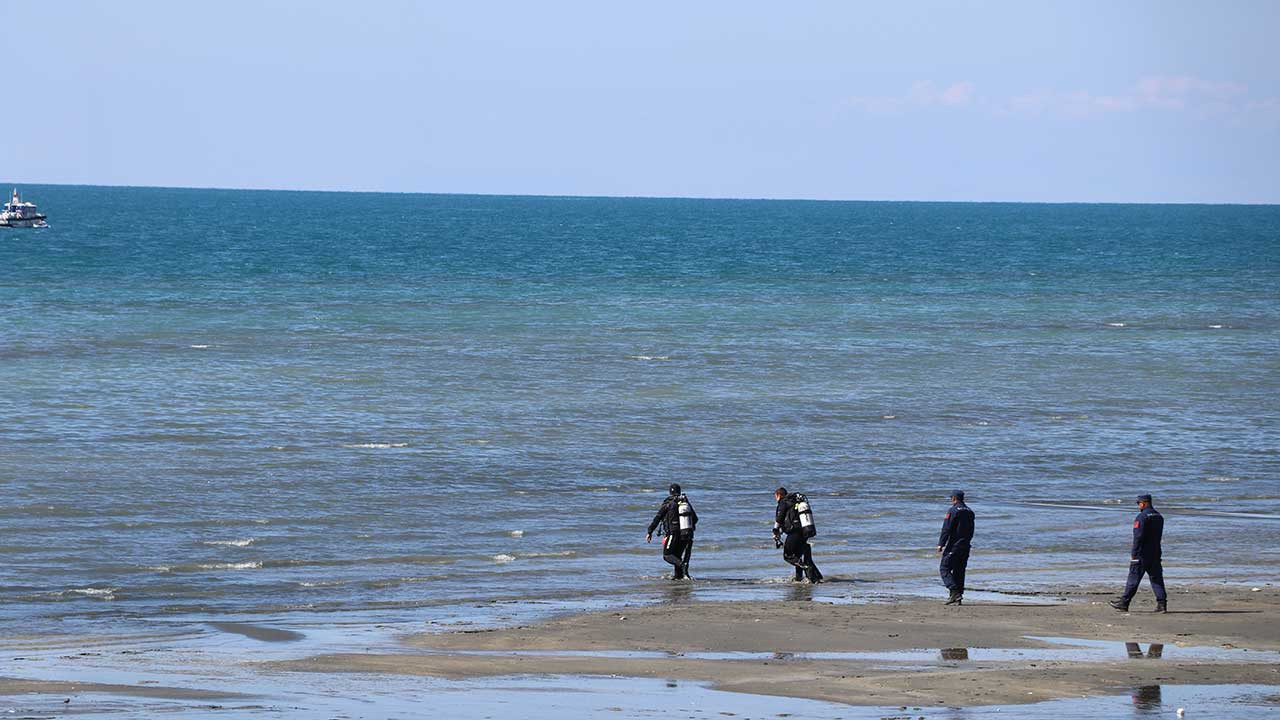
1136	524
947	516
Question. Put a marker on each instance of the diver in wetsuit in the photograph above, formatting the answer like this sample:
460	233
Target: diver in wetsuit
678	520
794	518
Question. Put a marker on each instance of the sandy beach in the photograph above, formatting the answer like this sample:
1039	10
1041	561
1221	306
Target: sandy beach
821	652
913	652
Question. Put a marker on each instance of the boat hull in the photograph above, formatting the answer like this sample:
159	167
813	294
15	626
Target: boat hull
31	222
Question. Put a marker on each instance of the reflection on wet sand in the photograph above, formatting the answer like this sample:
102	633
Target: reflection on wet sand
1146	698
1155	651
677	592
799	591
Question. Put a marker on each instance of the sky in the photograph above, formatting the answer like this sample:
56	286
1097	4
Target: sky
1132	101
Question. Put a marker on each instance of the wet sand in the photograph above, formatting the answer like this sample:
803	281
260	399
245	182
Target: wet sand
777	641
257	632
20	686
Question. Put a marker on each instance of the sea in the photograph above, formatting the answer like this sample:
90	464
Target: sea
432	410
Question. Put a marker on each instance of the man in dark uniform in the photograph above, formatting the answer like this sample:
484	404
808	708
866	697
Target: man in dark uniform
1144	557
796	549
953	543
677	529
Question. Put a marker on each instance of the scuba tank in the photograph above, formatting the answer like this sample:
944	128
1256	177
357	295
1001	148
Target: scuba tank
805	515
685	512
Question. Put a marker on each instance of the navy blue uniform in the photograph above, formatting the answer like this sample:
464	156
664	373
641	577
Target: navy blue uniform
957	534
1144	556
796	548
677	546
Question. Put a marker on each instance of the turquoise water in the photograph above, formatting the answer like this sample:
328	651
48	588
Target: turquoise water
408	406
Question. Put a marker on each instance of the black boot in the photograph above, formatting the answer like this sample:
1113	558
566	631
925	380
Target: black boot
1120	604
953	598
799	574
1162	606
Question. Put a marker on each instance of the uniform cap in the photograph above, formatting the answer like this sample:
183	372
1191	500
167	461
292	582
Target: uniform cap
957	494
1145	497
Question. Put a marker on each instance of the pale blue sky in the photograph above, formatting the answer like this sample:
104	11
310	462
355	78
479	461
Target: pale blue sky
1073	101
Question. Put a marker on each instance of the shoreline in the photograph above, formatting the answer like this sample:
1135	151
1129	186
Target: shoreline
875	654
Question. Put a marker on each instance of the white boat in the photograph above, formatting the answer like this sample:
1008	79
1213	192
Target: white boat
18	214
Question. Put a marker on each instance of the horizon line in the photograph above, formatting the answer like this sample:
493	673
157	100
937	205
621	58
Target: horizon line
726	198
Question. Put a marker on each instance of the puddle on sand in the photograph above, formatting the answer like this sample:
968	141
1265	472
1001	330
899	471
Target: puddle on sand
1067	650
557	697
391	696
1107	649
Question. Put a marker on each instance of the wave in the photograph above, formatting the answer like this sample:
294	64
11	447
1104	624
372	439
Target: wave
394	582
230	543
648	357
279	563
43	511
101	593
780	580
374	446
248	565
503	558
560	553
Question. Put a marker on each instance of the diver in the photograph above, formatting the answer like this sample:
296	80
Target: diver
794	517
953	543
678	520
1144	557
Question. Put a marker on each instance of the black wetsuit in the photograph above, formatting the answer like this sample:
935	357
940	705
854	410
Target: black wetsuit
677	546
956	536
1148	528
795	549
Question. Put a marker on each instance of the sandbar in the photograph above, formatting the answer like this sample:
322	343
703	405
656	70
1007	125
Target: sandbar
1211	636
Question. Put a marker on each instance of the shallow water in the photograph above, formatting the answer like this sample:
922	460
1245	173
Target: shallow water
237	403
557	697
1074	650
